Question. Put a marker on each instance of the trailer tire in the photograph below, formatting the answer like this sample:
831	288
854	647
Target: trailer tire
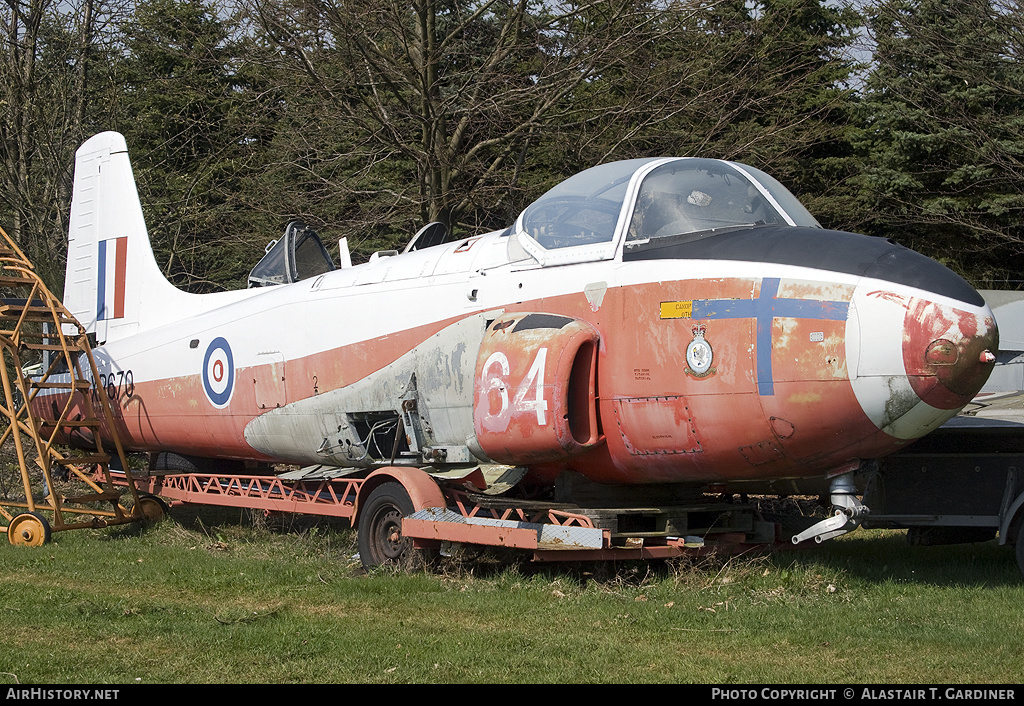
1020	546
168	462
380	530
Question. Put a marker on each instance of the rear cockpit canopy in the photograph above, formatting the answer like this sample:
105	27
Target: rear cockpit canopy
299	254
430	235
583	217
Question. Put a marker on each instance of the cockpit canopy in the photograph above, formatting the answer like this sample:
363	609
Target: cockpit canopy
297	255
652	198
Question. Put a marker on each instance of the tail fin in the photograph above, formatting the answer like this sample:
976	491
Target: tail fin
112	284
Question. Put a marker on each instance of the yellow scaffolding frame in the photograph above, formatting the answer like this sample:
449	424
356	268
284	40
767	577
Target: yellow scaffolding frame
55	407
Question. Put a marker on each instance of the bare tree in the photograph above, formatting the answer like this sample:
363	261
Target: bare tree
45	69
457	90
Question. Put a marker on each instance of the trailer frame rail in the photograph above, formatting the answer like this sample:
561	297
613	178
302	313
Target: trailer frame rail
330	497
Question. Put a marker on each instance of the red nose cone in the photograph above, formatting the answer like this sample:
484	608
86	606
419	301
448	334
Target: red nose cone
948	352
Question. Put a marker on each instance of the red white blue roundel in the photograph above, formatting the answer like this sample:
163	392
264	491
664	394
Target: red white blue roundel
218	373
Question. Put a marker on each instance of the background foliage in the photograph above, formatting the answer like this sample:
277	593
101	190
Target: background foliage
369	118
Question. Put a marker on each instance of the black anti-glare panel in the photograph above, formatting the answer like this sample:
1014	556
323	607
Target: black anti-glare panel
832	250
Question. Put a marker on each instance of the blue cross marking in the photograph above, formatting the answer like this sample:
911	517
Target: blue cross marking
765	309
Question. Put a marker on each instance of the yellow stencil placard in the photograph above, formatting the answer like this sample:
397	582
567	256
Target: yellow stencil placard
677	310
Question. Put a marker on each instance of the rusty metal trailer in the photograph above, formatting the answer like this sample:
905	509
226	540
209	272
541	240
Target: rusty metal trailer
962	483
398	509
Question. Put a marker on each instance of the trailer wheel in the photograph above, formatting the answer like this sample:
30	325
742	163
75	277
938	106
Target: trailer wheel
175	463
380	530
28	530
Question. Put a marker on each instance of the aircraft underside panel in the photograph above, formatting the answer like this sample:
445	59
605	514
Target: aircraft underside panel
428	392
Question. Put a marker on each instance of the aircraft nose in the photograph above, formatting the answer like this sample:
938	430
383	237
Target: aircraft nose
948	352
921	357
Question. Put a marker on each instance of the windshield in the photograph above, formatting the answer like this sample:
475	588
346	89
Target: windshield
790	203
583	209
697	195
686	198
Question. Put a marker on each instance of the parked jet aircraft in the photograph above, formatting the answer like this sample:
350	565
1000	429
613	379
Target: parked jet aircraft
659	322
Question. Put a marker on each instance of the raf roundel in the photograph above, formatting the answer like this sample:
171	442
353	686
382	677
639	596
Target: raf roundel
218	373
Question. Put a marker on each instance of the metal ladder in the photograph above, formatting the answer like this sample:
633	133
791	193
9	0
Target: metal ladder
59	423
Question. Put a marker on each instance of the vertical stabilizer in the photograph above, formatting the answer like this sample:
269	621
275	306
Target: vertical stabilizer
113	285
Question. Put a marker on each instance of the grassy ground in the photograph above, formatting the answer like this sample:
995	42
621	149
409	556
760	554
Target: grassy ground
212	597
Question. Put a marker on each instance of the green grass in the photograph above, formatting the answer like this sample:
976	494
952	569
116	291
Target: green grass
209	598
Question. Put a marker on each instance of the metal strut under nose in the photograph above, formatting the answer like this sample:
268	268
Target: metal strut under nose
849	512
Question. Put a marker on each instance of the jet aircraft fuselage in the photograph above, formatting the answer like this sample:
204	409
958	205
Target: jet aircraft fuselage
645	322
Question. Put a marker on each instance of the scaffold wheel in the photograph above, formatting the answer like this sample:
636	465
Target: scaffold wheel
152	509
28	530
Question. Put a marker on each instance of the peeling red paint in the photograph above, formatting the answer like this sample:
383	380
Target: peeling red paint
535	389
942	352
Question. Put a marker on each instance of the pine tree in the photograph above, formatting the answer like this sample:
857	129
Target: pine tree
762	82
798	127
180	113
942	138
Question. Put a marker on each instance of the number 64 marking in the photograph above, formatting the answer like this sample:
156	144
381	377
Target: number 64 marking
532	384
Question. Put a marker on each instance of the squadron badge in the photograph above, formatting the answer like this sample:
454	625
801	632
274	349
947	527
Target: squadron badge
699	355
